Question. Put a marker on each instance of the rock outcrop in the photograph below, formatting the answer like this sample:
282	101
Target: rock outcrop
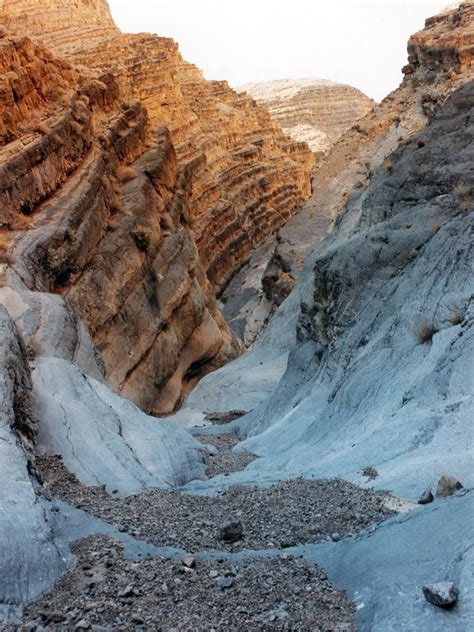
440	60
314	111
248	178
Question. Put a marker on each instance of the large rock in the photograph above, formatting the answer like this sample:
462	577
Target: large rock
103	439
29	559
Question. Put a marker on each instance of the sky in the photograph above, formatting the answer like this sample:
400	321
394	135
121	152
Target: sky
362	43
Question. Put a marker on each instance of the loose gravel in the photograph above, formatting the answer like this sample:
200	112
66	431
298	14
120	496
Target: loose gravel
221	460
106	592
284	515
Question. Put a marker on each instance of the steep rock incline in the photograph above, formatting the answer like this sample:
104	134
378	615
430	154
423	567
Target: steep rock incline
31	79
441	59
381	371
113	238
29	560
248	177
314	111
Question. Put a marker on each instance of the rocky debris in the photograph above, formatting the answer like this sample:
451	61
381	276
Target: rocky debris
280	516
370	472
222	459
232	532
277	594
447	486
426	497
224	418
189	561
441	594
314	111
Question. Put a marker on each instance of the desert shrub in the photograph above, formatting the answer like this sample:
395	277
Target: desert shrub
33	350
126	173
425	331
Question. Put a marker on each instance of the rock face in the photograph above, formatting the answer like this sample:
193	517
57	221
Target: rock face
30	562
314	111
399	257
440	61
137	225
248	178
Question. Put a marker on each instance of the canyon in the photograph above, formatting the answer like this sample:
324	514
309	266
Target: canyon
156	473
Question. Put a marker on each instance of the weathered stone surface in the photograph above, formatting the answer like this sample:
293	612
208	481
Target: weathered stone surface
350	165
358	387
103	439
248	177
314	111
447	486
114	239
29	560
442	594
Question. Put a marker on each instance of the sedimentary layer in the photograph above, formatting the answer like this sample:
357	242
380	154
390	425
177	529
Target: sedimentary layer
248	177
96	208
440	61
314	111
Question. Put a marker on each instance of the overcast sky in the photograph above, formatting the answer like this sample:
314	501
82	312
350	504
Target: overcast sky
362	43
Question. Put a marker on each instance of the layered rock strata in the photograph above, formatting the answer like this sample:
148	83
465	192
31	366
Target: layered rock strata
248	177
114	240
314	111
440	60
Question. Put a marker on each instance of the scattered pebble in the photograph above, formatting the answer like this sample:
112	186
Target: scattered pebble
426	497
288	514
212	597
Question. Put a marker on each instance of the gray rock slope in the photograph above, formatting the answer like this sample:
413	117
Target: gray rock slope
381	372
29	560
53	401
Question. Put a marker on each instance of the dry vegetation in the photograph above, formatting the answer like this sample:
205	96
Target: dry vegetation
425	331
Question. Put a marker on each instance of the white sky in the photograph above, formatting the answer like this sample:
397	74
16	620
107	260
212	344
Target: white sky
362	43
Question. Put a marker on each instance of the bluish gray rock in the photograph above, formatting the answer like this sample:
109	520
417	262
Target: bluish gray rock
442	594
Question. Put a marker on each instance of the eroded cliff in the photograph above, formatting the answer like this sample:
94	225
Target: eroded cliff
314	111
440	60
248	177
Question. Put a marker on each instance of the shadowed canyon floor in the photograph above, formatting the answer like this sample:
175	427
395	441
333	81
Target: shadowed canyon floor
107	591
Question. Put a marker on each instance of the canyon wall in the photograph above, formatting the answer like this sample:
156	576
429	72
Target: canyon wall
248	177
314	111
440	60
135	188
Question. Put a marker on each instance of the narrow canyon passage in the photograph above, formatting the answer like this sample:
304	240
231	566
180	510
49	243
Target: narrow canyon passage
190	541
236	336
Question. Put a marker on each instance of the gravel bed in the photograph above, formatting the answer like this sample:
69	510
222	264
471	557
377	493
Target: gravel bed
284	515
220	419
106	592
223	460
